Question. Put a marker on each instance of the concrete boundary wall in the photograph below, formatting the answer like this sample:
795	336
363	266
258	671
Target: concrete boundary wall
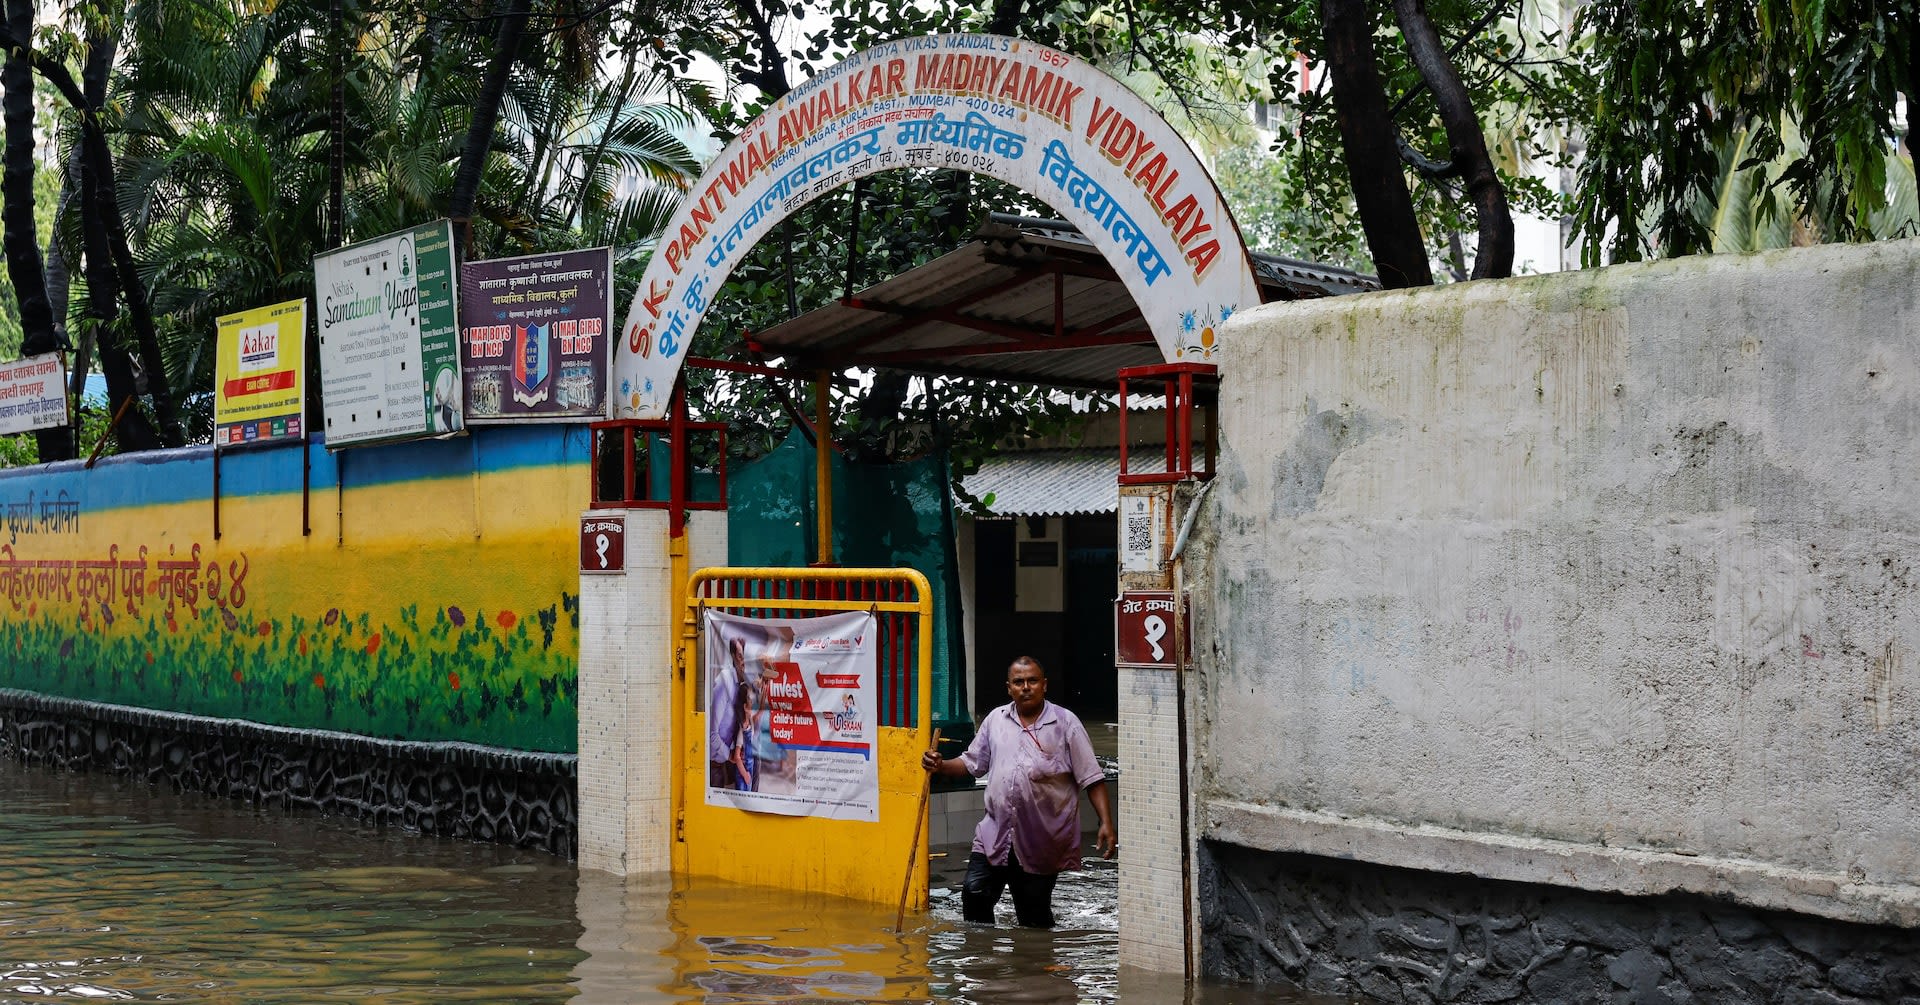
1602	580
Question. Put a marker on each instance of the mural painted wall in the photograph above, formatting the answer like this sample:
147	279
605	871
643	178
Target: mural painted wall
435	599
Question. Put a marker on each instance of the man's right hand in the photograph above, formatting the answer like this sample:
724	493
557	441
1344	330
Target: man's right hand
932	761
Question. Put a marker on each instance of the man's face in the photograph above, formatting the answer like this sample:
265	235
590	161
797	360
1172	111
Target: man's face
1027	687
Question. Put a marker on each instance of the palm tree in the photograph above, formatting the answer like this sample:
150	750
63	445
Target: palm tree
224	151
1751	207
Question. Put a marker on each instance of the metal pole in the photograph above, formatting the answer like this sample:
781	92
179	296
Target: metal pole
1181	629
306	486
823	466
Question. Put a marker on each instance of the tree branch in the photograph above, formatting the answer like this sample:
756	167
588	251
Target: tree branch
1494	256
770	78
1373	166
1453	52
1421	164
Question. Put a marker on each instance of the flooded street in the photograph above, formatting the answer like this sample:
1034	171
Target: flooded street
109	891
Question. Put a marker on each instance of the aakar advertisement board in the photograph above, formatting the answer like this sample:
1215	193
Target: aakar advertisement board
533	336
791	726
389	363
259	386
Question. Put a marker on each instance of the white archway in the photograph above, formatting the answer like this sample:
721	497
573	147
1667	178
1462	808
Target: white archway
1031	116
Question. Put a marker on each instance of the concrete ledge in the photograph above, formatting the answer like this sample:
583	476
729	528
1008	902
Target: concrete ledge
1559	863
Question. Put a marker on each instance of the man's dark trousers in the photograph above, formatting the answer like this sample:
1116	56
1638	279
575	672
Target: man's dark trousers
1032	895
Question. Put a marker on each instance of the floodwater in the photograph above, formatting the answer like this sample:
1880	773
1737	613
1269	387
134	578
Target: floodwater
111	891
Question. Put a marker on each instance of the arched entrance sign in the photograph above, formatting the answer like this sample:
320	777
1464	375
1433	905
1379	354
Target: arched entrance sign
1033	117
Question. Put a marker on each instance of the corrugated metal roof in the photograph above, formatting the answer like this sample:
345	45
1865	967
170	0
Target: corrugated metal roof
1281	278
1049	482
1021	283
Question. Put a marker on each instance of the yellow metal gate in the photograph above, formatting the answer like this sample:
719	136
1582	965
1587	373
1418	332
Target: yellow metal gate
847	858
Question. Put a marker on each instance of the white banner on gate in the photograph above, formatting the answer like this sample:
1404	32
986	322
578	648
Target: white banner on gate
791	725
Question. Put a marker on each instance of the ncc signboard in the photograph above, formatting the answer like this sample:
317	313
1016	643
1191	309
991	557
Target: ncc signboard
389	359
1143	629
533	337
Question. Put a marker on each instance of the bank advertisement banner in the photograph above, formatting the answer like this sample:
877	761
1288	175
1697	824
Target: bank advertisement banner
33	393
533	336
259	378
790	715
389	361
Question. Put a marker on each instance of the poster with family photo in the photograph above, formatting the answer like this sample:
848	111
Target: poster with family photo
790	715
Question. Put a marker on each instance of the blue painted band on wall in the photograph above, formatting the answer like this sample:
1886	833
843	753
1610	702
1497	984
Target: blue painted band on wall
161	477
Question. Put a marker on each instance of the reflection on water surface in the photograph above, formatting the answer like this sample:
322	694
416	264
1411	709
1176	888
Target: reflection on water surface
111	892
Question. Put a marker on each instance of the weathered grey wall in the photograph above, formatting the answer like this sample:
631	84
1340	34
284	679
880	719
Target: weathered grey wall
1601	580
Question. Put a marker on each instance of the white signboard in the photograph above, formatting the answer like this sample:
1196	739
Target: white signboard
33	393
791	724
389	349
1140	547
1026	114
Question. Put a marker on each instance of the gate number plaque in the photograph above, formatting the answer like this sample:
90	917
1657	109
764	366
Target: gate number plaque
603	543
1143	628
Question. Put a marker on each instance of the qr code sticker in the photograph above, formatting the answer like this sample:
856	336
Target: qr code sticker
1140	532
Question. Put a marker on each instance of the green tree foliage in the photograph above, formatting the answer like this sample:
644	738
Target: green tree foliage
208	125
1510	61
1687	97
216	122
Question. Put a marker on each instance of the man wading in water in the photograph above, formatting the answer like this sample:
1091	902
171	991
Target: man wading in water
1037	758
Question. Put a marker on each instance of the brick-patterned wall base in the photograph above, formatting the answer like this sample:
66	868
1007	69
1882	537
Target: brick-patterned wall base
458	790
1402	935
1152	888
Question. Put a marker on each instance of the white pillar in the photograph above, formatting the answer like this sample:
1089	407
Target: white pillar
1153	891
627	630
1155	905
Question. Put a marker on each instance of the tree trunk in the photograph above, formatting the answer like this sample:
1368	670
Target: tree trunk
486	112
59	276
1908	22
146	335
101	48
103	209
133	431
21	242
1493	259
770	78
1367	137
59	286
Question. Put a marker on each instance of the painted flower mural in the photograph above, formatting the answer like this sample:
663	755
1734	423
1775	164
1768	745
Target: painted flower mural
447	676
